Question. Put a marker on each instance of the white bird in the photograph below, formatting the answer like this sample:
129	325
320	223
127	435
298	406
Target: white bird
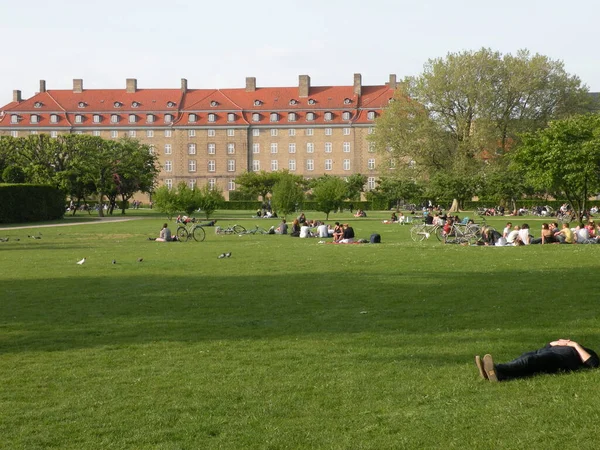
222	255
81	262
228	255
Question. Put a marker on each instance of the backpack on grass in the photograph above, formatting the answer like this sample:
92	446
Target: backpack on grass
375	238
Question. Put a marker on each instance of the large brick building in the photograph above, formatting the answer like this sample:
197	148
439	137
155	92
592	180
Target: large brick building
211	135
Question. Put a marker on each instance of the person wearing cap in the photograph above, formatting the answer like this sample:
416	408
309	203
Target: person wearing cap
563	355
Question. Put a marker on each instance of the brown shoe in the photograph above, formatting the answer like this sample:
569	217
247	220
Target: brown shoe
489	368
479	365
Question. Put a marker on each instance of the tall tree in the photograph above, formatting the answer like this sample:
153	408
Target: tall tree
355	185
210	200
258	183
329	193
397	190
288	193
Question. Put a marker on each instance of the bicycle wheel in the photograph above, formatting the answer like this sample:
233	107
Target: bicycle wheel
237	229
198	234
417	233
182	234
439	233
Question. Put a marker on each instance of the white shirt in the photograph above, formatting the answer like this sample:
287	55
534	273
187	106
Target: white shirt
524	235
512	236
322	231
304	231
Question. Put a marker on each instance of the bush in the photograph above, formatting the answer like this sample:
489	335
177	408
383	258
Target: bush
30	203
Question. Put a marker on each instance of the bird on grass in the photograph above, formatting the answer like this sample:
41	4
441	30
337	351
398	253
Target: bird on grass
222	255
140	259
114	261
81	262
34	237
4	239
228	255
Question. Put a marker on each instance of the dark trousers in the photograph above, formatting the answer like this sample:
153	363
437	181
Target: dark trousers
543	360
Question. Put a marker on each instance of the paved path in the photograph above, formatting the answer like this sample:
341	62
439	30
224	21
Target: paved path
92	222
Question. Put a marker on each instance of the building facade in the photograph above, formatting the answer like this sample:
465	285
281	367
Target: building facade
212	135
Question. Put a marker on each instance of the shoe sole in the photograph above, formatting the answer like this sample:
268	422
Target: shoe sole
488	367
479	365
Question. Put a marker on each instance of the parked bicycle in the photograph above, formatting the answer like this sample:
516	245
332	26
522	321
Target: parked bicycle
255	230
188	229
232	229
462	234
421	231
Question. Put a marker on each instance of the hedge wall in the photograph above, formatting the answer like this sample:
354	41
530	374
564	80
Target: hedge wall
30	203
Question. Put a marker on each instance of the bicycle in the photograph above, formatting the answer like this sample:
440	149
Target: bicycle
190	229
235	229
255	230
462	234
422	231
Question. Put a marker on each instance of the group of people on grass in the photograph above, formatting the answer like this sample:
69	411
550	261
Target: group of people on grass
550	233
303	228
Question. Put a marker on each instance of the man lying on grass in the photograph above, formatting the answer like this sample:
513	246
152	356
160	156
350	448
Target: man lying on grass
563	355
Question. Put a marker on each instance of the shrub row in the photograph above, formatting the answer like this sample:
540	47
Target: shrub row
30	203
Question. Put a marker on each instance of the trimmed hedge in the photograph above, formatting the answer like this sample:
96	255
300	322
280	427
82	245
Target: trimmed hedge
30	203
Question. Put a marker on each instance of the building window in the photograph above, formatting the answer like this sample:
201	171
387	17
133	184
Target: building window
170	104
168	118
114	118
292	117
132	133
230	117
114	134
328	131
231	185
35	132
14	118
346	147
97	118
310	131
192	118
310	164
191	165
310	147
371	115
191	133
191	149
328	164
255	117
292	147
150	133
212	183
132	118
274	165
371	164
231	165
273	147
273	131
371	130
53	118
255	132
168	166
310	116
274	117
54	134
255	166
168	149
96	133
150	118
328	116
370	183
230	148
230	132
212	117
169	183
192	184
34	118
346	131
346	164
78	118
346	115
14	133
371	147
212	165
292	165
256	148
328	147
292	132
212	148
168	133
211	133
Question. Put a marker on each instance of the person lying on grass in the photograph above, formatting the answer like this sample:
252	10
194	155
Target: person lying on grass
562	355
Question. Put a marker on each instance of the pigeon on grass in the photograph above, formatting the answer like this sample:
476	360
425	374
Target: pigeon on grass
228	255
81	262
222	255
140	259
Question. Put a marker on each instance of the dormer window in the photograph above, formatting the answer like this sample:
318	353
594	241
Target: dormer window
257	103
212	117
168	118
230	117
78	118
170	104
135	105
292	117
34	118
328	116
82	104
310	116
38	104
274	117
346	115
114	118
14	118
390	100
214	103
132	118
293	101
311	101
117	104
371	115
192	117
53	118
256	117
97	118
150	118
347	101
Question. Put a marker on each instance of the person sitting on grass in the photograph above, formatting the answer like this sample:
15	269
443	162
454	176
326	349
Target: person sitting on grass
338	232
348	235
165	235
489	236
546	237
565	236
507	230
282	228
295	232
562	355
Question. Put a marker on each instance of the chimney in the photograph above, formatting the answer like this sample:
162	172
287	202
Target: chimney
392	83
304	86
131	85
183	85
250	84
78	86
42	85
357	84
17	96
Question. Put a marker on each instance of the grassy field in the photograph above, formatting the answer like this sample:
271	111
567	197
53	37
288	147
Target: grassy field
288	344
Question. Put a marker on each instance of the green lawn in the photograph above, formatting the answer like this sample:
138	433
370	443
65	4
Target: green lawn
288	344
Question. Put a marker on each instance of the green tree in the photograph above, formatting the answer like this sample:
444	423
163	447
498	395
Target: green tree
329	193
288	193
188	200
396	191
166	201
355	185
13	174
564	158
447	186
210	200
258	183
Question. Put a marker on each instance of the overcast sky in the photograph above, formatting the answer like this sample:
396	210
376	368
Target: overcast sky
216	44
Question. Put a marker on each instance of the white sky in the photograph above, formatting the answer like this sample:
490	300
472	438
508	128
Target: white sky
216	44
